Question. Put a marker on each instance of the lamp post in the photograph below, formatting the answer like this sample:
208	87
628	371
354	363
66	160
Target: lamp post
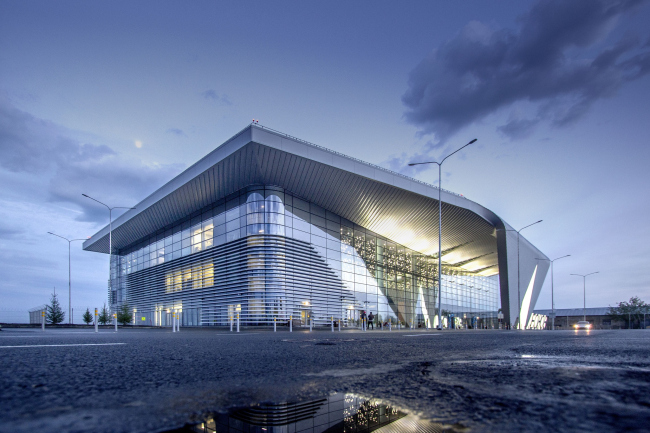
552	296
69	275
440	224
110	238
518	267
584	292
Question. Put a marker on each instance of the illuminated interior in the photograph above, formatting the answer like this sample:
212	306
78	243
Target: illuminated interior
251	249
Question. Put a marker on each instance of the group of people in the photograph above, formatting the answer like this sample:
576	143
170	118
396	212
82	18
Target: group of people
370	317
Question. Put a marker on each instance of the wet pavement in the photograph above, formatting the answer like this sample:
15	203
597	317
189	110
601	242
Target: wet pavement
154	380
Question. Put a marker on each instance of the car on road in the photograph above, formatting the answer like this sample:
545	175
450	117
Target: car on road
582	325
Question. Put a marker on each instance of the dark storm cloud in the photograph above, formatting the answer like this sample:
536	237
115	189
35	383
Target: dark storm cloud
31	145
519	128
66	168
554	60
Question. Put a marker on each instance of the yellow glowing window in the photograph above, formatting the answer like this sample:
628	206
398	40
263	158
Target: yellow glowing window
208	276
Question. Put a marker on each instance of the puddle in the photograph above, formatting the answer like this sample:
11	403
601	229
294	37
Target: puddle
337	413
377	369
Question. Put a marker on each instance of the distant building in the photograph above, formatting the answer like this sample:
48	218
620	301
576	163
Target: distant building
268	227
36	314
567	317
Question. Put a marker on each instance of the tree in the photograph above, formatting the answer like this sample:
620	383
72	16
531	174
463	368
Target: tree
104	316
124	314
55	314
632	310
87	317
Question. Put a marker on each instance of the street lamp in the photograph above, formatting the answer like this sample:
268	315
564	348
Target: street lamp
518	273
552	298
584	292
110	238
440	224
69	275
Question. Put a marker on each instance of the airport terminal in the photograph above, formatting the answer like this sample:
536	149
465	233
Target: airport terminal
268	228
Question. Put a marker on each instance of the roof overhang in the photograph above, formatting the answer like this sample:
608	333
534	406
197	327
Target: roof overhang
395	206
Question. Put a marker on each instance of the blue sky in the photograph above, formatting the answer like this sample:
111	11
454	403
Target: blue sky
112	99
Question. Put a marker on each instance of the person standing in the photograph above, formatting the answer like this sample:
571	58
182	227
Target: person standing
362	316
371	319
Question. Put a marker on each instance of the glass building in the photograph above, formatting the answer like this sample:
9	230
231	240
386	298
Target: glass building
336	413
268	228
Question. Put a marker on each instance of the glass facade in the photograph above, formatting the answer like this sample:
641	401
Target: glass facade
266	255
338	413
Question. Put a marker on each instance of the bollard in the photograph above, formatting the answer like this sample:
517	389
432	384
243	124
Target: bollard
178	322
390	326
96	329
237	322
311	322
173	321
290	323
231	323
115	321
339	325
275	325
43	320
332	323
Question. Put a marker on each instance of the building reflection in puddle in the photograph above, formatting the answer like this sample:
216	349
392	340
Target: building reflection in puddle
338	413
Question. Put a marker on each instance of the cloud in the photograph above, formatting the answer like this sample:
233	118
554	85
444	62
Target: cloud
212	95
64	168
554	60
518	128
10	232
176	131
28	144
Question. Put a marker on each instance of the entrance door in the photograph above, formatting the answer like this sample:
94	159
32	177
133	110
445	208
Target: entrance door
305	315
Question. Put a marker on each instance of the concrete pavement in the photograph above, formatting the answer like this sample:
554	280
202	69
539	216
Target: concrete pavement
144	380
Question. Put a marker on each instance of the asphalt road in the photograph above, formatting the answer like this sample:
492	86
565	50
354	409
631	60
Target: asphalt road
154	380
